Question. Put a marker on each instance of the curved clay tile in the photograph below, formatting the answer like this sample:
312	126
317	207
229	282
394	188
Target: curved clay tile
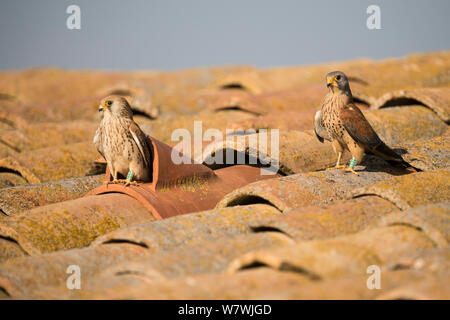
426	288
53	163
433	219
399	125
193	228
322	222
50	269
245	80
437	99
18	199
300	190
429	154
341	256
249	284
71	224
182	188
208	257
10	250
412	190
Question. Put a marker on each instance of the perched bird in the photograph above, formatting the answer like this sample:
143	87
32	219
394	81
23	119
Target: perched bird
341	122
122	143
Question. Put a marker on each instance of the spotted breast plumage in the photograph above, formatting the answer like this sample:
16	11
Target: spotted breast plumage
342	122
122	143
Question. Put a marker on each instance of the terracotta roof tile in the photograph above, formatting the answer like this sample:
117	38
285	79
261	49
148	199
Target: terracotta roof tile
71	224
48	269
437	99
53	163
321	222
340	256
429	154
434	220
412	190
299	190
194	228
17	199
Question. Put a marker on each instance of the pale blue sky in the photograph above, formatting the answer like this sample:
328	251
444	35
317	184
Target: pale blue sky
175	34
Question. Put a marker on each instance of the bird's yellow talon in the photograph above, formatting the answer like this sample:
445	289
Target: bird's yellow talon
349	169
127	183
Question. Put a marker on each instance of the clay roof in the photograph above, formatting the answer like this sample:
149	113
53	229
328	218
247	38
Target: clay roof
205	230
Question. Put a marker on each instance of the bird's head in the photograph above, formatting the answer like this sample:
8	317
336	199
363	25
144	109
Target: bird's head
337	82
115	105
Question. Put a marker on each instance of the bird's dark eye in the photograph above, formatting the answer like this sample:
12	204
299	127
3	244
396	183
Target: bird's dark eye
109	103
338	77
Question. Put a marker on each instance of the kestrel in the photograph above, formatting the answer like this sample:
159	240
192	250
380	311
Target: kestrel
341	122
122	143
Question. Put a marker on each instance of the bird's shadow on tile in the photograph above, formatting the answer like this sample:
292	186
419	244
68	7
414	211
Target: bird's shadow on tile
374	164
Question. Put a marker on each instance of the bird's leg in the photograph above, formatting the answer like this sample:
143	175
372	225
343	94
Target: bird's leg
130	178
338	165
115	180
351	166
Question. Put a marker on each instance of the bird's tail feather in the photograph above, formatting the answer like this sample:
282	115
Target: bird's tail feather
393	158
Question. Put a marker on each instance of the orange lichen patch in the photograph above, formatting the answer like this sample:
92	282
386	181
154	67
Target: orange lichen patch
321	222
429	154
412	190
18	199
340	256
71	224
193	229
50	269
434	220
54	163
437	99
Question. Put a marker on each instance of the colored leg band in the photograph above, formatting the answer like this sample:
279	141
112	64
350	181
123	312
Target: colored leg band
130	175
352	163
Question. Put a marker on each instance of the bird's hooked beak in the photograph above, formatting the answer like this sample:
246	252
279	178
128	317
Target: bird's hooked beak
330	82
101	107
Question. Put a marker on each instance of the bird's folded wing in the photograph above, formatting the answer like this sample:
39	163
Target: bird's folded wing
358	127
142	143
